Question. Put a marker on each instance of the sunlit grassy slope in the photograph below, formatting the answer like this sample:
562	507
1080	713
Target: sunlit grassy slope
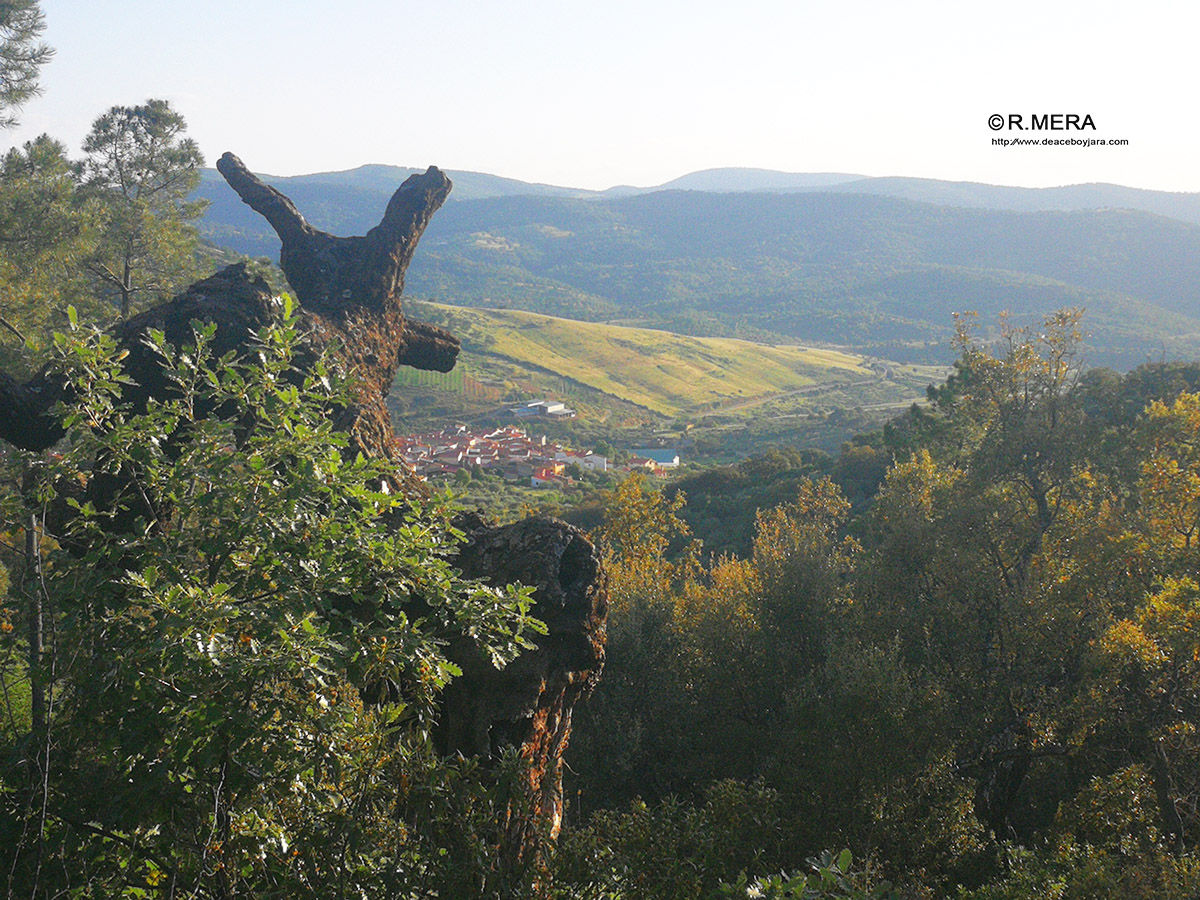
664	372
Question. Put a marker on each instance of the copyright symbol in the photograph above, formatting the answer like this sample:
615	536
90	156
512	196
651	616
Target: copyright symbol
996	122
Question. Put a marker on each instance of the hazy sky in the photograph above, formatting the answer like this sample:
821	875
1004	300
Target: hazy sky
617	92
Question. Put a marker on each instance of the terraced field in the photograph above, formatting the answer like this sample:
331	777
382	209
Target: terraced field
665	373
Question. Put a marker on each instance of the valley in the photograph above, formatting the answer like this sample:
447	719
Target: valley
722	398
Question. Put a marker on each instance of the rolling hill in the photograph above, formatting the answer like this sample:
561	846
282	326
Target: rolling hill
828	263
665	373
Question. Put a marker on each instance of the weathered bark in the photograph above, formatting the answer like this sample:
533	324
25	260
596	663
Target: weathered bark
528	704
349	300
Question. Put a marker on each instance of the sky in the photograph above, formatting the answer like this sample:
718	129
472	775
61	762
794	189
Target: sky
597	94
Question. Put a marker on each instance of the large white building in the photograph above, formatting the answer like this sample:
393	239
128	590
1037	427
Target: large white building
553	408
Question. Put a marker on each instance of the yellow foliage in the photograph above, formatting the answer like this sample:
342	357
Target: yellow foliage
911	489
640	525
1170	477
1127	642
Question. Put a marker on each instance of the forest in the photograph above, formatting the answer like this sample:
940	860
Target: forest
979	676
960	658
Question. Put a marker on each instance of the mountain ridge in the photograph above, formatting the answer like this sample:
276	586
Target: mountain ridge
833	264
472	185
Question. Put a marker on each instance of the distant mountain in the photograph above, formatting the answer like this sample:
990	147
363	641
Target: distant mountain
837	263
737	181
1185	207
351	201
347	202
941	193
877	274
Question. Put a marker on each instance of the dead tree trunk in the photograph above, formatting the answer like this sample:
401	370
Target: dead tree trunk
348	290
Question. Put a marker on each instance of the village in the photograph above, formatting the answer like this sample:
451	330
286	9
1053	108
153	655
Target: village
510	452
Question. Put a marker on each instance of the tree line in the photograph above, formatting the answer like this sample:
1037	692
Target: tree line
109	232
982	678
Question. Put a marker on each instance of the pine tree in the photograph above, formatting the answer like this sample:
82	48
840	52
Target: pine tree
141	169
21	55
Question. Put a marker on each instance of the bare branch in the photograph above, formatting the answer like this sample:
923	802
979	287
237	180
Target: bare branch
13	328
269	203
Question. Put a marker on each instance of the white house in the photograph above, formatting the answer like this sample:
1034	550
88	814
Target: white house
663	459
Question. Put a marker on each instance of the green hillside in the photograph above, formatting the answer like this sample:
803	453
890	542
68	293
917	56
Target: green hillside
664	374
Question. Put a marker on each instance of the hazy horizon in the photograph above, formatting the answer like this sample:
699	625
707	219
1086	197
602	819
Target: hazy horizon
640	93
849	176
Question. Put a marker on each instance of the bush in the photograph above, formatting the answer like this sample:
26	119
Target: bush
672	850
245	633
